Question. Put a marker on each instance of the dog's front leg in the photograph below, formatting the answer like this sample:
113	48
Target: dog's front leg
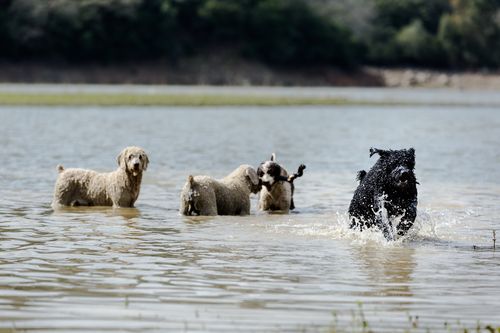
382	223
408	218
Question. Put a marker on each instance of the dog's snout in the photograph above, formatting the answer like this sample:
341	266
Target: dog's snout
137	165
267	185
405	175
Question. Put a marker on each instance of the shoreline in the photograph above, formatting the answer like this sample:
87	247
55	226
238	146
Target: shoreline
220	79
428	78
163	95
220	69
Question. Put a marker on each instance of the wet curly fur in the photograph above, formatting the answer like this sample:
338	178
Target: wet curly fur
120	188
204	195
390	186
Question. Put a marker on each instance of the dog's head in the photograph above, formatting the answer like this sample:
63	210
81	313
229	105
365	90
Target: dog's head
398	165
133	160
252	179
270	172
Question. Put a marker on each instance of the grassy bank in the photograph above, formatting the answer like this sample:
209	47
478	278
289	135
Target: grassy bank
164	95
118	99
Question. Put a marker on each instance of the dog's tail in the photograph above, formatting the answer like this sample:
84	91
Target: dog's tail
291	178
361	175
60	168
298	174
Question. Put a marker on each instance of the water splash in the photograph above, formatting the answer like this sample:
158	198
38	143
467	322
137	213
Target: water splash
436	227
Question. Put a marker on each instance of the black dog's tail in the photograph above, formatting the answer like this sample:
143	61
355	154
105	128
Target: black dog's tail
361	175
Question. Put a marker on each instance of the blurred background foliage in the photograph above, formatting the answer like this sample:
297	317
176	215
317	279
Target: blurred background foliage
454	34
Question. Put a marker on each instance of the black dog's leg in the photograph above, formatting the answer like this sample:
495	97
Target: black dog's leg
407	219
357	224
384	226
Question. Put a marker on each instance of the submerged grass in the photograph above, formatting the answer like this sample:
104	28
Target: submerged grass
360	324
117	99
415	327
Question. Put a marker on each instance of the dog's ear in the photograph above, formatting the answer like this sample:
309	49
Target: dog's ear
252	175
412	152
380	152
120	159
273	157
146	161
275	170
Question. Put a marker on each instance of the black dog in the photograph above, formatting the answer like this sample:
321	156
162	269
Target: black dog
390	185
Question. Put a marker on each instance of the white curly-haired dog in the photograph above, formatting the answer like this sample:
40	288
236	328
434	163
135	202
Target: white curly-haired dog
203	195
120	188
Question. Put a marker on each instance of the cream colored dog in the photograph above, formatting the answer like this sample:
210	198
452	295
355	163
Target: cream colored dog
120	188
203	195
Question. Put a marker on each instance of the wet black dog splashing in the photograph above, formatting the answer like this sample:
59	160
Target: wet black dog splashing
386	193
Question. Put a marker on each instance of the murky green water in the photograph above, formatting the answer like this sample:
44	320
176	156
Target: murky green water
150	270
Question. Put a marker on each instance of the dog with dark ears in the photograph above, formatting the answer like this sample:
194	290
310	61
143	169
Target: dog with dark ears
390	187
277	186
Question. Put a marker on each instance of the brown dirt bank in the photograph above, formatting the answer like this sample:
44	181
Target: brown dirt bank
216	69
405	77
212	69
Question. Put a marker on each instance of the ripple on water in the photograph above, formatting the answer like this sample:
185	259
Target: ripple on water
149	269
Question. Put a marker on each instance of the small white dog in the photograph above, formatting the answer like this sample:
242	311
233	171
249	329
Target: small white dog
120	188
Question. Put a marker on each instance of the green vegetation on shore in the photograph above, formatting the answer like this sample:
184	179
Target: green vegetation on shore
451	34
189	97
124	99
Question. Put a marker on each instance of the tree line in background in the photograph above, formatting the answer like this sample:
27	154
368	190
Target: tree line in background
455	34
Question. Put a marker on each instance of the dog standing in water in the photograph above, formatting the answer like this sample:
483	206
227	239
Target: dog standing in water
390	186
120	188
206	196
277	186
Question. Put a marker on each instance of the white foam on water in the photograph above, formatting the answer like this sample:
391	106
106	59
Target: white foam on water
431	227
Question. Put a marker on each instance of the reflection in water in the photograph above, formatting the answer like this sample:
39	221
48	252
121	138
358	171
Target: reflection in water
126	213
389	270
90	269
197	219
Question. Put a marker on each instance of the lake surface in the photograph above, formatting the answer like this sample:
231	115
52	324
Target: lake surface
149	269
